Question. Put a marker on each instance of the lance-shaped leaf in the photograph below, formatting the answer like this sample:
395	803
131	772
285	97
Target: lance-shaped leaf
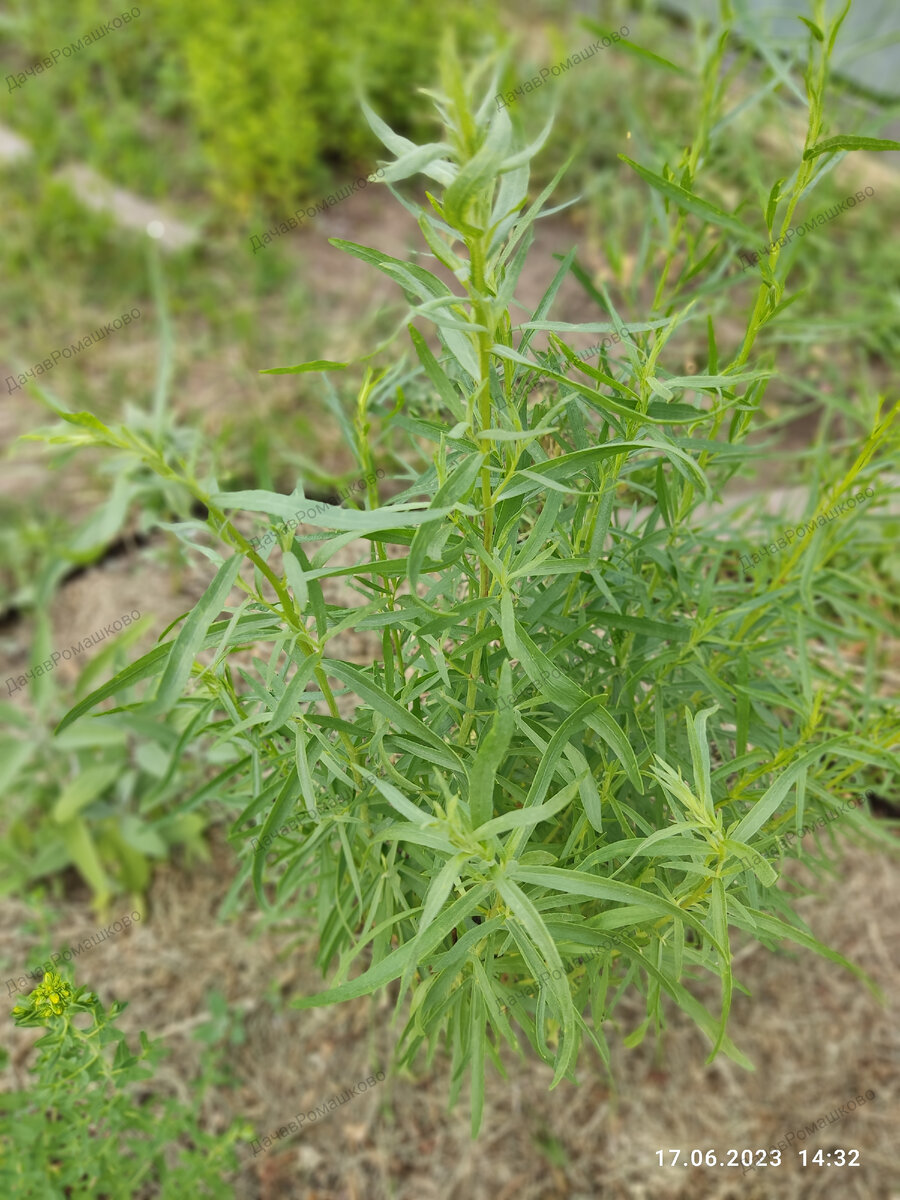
387	706
249	628
435	898
548	679
454	490
696	727
718	911
392	967
557	984
766	805
330	516
318	364
849	141
190	639
688	202
579	883
760	866
491	752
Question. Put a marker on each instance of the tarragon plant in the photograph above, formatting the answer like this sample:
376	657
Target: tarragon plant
564	779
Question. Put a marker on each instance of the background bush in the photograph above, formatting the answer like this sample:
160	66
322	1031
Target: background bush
268	100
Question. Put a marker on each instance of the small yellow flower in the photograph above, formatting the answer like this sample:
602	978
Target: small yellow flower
51	998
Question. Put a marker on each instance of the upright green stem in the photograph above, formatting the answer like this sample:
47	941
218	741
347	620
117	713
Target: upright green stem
483	315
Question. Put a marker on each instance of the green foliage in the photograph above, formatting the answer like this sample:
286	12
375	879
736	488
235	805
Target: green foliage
83	1129
93	101
587	729
275	95
223	1034
104	801
269	94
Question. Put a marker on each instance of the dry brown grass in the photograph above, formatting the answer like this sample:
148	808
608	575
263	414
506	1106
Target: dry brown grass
818	1039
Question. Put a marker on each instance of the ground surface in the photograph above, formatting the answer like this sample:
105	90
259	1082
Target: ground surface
818	1038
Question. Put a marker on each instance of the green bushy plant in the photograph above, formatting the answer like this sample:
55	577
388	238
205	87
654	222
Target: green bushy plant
565	778
269	94
103	801
82	1131
274	93
107	802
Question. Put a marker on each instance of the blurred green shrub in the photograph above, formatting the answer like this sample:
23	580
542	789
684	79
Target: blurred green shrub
104	103
274	91
270	93
101	803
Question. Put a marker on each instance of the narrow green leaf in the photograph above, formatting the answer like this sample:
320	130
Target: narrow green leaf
319	364
579	883
417	162
392	967
476	1056
251	627
774	927
329	516
542	673
82	850
490	754
813	28
531	816
438	890
630	48
701	1017
699	746
759	865
287	706
718	910
85	787
283	806
849	141
773	796
557	984
688	202
836	25
669	414
190	639
435	373
455	490
397	800
364	687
